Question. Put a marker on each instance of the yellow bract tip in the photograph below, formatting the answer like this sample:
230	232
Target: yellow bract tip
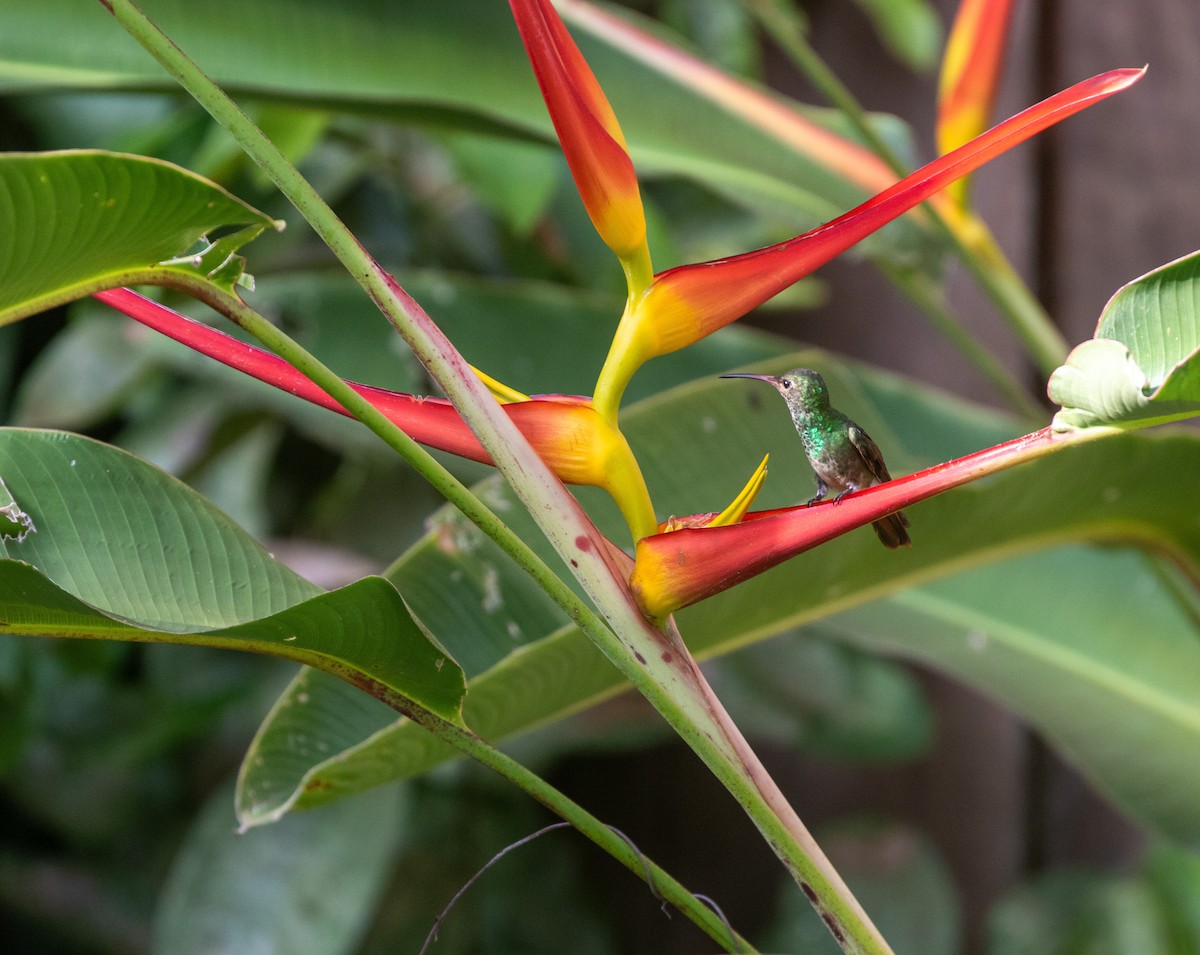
737	509
500	391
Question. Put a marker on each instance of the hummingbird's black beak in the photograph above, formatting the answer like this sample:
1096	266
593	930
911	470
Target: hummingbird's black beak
769	379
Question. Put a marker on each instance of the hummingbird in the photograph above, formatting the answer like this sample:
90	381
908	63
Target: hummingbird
842	455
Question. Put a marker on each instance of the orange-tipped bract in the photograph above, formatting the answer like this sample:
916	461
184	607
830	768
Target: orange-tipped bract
590	136
970	76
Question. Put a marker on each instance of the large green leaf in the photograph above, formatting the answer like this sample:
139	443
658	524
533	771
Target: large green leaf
307	887
693	440
1138	655
115	549
443	62
77	221
1143	364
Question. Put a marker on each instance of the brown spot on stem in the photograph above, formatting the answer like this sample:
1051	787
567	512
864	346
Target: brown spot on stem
809	891
640	659
834	926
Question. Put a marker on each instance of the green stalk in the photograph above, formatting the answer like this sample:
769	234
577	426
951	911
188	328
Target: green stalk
993	272
657	663
970	238
805	860
324	377
929	300
783	25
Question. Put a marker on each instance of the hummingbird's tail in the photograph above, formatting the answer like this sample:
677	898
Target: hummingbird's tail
891	531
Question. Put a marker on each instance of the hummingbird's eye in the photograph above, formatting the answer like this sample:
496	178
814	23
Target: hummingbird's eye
786	383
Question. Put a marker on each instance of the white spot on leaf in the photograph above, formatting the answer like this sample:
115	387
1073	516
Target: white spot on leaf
492	599
15	524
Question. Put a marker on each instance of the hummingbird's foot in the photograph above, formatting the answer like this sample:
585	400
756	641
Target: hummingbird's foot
850	489
822	490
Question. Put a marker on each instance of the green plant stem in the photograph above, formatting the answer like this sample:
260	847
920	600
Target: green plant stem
805	859
783	25
660	882
929	299
993	272
970	238
651	660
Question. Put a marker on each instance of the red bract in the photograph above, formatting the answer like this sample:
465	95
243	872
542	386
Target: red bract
687	303
564	429
676	569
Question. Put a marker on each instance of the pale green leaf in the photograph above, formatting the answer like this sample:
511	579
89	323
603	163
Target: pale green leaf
1143	365
1058	650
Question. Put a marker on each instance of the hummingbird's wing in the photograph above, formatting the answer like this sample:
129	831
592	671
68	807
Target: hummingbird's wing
870	453
891	529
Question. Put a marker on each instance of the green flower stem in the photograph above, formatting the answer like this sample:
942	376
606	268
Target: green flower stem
970	237
782	23
776	819
660	882
656	663
990	268
929	299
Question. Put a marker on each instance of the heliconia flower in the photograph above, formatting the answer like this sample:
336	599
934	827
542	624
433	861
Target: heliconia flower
576	443
590	136
695	561
970	75
685	304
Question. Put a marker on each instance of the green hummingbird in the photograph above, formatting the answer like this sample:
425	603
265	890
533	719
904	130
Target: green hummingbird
842	455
